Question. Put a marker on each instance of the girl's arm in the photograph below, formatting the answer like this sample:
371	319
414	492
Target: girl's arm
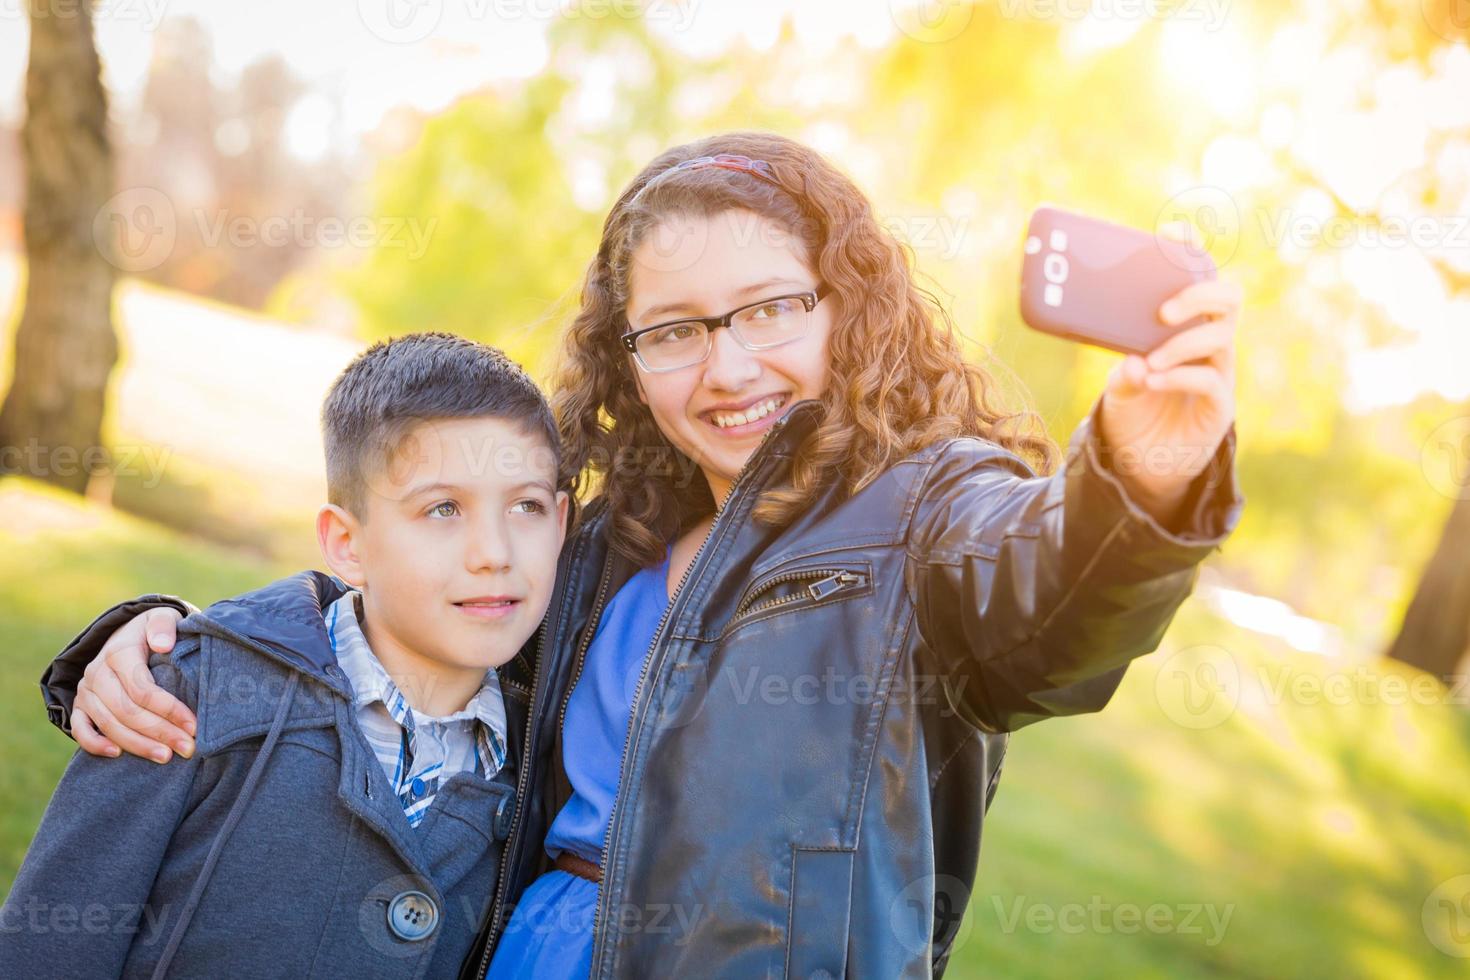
99	689
1035	593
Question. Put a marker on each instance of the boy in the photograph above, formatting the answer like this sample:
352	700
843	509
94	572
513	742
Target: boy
354	772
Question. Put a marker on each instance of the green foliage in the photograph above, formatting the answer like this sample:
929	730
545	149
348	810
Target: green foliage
505	243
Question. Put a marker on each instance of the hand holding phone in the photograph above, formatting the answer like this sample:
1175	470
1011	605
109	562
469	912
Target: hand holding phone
1099	283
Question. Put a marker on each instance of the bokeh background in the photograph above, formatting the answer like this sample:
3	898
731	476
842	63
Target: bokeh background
1282	789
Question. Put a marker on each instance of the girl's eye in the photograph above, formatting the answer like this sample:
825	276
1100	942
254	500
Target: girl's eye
675	334
774	310
536	506
447	508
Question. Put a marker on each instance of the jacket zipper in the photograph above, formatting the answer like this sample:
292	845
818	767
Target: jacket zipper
603	890
521	779
586	641
831	580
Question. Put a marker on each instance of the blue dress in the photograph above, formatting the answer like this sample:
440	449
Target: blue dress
549	935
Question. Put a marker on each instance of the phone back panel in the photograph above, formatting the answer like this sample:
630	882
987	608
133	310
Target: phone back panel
1101	283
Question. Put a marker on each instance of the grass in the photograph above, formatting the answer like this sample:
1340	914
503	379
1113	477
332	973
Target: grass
1318	805
211	416
63	562
1313	827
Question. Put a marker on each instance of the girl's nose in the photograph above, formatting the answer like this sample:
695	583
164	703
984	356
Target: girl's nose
729	367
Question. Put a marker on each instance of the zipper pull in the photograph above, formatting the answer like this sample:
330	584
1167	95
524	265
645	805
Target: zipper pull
833	583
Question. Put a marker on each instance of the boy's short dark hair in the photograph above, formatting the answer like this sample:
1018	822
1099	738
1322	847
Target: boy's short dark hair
399	383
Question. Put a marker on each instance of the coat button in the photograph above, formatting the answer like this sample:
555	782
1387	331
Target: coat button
503	814
412	916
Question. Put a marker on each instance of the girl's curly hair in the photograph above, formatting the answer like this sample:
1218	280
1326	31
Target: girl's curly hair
897	382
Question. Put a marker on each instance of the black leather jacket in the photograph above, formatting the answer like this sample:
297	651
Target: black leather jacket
820	725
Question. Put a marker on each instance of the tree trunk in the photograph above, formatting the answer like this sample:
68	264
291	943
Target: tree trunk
1436	628
65	348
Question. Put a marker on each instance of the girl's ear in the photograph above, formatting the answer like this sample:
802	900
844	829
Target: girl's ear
337	533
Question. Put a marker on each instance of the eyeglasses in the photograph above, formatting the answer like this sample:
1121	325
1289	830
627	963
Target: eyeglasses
759	326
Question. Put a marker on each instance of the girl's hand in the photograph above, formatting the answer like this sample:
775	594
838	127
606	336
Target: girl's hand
1163	416
119	705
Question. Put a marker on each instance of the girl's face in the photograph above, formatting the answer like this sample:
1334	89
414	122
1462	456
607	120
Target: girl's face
697	266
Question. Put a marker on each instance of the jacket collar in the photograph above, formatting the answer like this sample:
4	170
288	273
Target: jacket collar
283	619
780	441
790	430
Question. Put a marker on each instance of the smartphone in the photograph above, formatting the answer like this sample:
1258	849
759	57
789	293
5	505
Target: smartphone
1099	283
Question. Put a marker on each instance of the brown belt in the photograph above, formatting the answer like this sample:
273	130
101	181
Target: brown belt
581	867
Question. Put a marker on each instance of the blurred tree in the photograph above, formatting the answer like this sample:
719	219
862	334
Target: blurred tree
247	211
65	347
1436	629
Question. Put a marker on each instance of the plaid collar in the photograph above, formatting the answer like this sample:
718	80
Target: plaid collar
370	683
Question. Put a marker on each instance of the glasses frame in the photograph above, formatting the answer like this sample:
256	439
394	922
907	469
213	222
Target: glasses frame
809	299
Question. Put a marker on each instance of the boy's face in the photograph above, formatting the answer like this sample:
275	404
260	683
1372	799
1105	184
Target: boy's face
456	552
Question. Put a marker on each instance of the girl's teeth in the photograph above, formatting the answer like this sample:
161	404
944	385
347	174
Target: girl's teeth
752	414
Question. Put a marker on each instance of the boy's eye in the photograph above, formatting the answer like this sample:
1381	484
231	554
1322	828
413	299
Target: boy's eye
447	508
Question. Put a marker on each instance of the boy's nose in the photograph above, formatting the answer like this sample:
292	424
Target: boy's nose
489	547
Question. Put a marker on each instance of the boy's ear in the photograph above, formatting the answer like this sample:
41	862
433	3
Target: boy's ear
337	533
563	500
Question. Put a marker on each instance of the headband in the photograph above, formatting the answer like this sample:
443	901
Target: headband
723	161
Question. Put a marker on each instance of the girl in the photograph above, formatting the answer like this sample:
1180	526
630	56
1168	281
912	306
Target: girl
822	576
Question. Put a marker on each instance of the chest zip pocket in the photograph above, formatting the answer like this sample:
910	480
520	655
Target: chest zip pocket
802	586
